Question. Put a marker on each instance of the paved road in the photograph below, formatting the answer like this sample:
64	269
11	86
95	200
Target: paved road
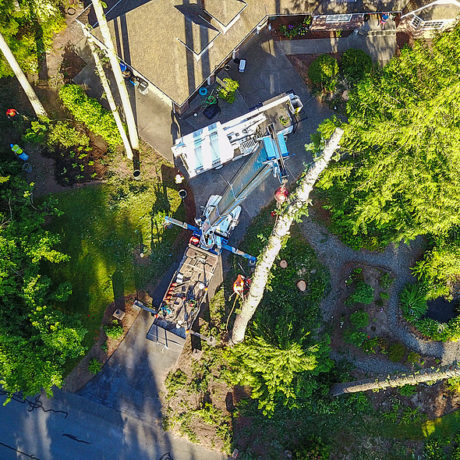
81	429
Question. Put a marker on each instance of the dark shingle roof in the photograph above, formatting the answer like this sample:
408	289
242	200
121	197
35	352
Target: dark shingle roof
162	39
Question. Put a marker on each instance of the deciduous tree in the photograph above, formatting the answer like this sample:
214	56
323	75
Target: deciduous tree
295	206
37	339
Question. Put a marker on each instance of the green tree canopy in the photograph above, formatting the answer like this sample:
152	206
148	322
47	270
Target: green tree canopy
28	30
399	174
276	372
36	339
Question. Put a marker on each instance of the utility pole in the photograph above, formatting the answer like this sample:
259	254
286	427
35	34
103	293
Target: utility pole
279	232
26	86
132	130
108	92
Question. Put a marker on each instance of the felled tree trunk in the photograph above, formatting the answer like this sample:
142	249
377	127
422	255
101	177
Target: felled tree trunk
114	62
26	86
281	229
391	381
108	93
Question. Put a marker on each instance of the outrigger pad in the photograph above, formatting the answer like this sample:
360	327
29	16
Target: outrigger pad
166	338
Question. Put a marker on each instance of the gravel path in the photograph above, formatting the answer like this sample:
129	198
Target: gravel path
334	254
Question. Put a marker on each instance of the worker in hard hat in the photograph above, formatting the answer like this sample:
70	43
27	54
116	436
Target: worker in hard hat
11	114
241	285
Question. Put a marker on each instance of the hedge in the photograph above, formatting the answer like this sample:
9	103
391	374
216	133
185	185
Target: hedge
90	112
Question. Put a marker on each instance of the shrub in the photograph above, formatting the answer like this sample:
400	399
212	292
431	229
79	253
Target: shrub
88	110
323	73
408	390
359	319
355	65
371	345
439	331
313	448
36	133
413	301
113	331
174	382
363	293
63	134
385	280
396	352
413	358
227	92
356	338
454	384
384	295
94	366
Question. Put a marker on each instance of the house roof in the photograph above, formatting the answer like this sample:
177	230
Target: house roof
439	12
223	11
430	10
176	48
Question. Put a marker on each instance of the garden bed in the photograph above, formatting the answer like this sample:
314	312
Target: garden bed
361	323
82	167
414	306
293	23
432	400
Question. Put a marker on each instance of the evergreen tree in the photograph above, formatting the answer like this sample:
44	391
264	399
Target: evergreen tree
400	175
273	370
36	338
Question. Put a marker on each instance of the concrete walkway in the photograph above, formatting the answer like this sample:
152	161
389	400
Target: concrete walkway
381	48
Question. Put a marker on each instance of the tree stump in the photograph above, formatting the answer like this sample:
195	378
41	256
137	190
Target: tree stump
283	264
301	285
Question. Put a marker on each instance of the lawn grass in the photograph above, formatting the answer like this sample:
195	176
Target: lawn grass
103	228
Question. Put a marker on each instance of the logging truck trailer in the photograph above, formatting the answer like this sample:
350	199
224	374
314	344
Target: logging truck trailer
182	302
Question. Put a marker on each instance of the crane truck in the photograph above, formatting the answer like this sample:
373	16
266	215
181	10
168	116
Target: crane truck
187	290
